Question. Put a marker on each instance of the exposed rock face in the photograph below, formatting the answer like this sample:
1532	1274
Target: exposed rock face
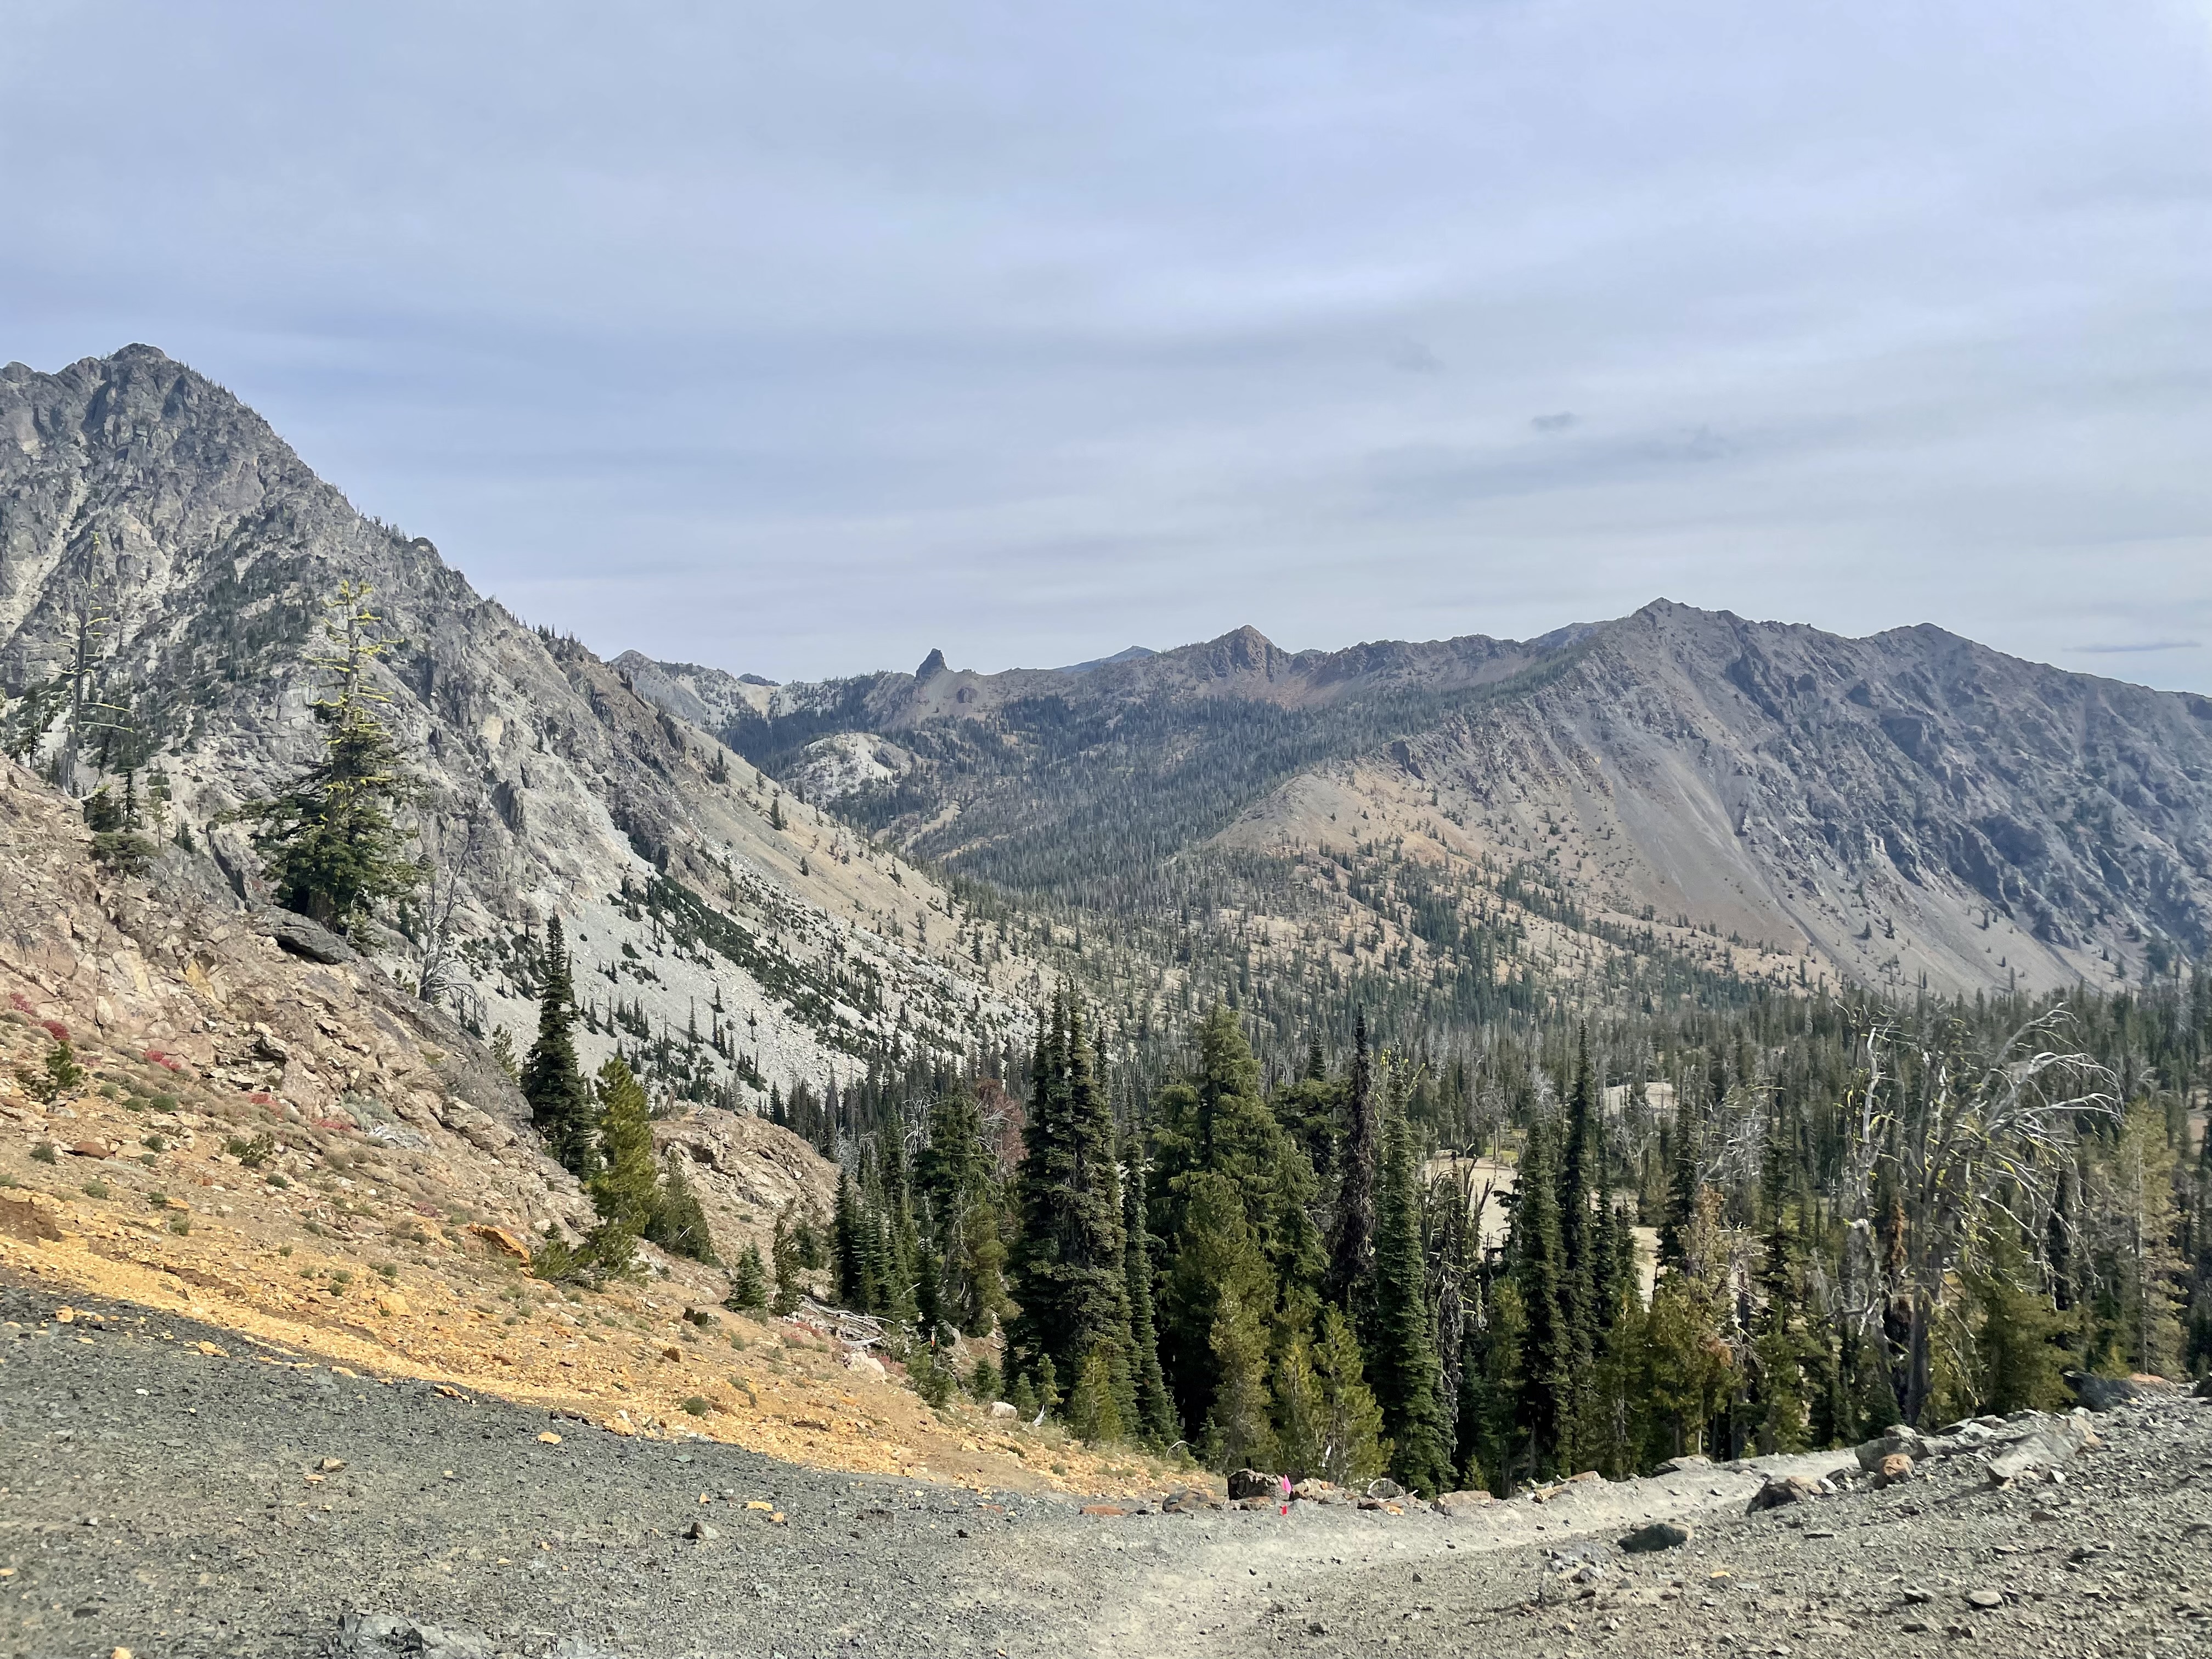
143	502
1887	808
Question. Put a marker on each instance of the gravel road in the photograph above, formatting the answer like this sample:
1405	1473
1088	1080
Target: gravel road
160	1498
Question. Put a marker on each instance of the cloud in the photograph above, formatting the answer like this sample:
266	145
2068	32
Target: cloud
801	343
2155	644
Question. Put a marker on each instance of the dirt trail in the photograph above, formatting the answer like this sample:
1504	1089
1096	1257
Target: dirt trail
174	1501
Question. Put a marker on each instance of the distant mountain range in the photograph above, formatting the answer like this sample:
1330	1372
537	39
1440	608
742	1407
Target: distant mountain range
1906	808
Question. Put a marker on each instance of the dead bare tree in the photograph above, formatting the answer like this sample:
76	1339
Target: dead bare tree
1962	1141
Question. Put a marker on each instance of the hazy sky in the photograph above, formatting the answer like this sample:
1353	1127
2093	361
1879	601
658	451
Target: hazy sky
803	339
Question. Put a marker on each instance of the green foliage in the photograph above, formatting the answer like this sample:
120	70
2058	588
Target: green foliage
984	1383
784	1254
678	1222
933	1379
1093	1413
332	847
59	1075
749	1290
1407	1375
2019	1341
560	1104
623	1186
607	1252
1070	1276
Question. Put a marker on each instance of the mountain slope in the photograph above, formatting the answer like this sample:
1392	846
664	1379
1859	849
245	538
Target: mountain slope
1760	798
163	561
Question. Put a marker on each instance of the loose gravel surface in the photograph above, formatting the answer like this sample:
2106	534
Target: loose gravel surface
158	1496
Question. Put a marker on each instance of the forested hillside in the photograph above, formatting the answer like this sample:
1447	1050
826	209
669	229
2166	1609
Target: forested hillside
1788	1225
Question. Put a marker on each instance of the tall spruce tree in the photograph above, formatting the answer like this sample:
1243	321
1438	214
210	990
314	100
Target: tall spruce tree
560	1103
1155	1418
1071	1280
1351	1238
1408	1380
1537	1255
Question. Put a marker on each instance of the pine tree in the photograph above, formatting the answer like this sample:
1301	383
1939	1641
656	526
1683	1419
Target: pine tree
1408	1376
1239	1429
621	1188
560	1104
852	1259
1352	1449
1094	1414
1539	1269
1071	1280
331	848
749	1283
2018	1342
1155	1414
1352	1240
1216	1146
784	1256
678	1221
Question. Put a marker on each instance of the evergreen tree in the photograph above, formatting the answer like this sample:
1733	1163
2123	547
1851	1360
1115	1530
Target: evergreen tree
852	1259
1352	1240
784	1256
1408	1376
332	847
749	1283
1239	1428
1071	1281
1539	1270
1094	1414
621	1188
1351	1448
1155	1415
560	1104
2018	1342
1217	1145
678	1221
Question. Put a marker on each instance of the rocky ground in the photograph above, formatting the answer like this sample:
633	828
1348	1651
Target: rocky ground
170	1488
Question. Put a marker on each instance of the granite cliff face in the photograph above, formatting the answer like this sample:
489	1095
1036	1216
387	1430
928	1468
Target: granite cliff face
1904	808
164	558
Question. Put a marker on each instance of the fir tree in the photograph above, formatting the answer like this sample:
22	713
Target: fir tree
621	1188
1352	1450
1155	1415
332	847
1408	1378
678	1221
749	1283
1352	1240
560	1104
2018	1342
784	1256
1239	1429
1071	1281
1539	1269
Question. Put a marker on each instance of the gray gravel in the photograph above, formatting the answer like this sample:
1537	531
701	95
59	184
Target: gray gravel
156	1498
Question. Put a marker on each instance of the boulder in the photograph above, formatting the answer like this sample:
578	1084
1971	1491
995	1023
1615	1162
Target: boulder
1797	1489
1004	1411
1659	1535
1317	1492
303	938
1385	1488
1895	1468
1898	1442
1253	1483
1188	1501
2103	1394
1685	1464
2050	1448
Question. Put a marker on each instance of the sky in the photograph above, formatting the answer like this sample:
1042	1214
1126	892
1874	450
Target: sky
800	339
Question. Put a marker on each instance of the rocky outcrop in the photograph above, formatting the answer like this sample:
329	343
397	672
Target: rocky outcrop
143	508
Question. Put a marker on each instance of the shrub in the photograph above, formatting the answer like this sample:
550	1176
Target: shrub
933	1380
96	1188
697	1405
253	1152
180	1224
43	1151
